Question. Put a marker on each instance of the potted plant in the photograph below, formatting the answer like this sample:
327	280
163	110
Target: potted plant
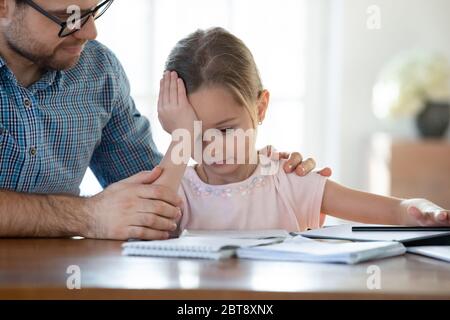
416	84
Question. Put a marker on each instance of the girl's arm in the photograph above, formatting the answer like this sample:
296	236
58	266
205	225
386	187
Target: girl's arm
172	172
365	207
177	117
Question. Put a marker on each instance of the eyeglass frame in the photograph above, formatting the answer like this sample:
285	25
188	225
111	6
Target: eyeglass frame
63	24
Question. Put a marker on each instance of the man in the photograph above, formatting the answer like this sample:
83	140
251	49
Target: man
66	105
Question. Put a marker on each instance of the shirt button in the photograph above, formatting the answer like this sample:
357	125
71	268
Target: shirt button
27	103
33	151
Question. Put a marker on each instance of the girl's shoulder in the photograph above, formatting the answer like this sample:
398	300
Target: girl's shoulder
275	169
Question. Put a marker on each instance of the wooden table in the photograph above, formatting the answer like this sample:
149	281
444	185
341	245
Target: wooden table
37	269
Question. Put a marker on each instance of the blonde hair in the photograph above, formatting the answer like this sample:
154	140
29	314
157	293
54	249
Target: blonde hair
215	57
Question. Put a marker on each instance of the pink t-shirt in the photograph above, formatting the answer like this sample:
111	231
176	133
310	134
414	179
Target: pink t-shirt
263	201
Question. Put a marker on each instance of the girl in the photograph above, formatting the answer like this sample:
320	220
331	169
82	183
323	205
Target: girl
213	79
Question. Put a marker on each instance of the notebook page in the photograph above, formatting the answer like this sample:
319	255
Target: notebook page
303	249
199	244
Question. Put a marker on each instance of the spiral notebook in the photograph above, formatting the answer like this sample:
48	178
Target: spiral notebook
191	247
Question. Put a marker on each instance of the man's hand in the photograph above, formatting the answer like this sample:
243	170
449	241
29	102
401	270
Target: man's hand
295	162
134	209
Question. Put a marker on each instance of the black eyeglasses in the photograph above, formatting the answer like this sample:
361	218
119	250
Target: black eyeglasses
76	24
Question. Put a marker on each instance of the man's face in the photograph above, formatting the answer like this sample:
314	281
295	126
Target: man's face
35	37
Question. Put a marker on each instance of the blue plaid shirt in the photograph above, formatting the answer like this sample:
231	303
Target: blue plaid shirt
53	130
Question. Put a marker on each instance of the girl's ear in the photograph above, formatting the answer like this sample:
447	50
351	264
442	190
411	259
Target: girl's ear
263	104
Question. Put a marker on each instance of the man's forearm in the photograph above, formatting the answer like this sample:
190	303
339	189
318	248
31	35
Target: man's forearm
34	215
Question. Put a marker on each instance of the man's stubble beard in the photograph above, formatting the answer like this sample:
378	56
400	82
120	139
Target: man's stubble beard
30	49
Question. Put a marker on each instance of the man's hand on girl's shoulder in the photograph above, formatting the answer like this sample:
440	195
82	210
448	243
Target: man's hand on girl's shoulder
295	162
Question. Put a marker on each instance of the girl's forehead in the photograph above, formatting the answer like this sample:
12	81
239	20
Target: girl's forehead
214	104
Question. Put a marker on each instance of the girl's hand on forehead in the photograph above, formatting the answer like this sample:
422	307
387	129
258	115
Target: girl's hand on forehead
174	109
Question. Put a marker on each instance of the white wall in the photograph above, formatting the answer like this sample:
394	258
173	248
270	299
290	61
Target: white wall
405	25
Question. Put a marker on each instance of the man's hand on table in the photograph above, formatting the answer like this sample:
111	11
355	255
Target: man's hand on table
133	209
